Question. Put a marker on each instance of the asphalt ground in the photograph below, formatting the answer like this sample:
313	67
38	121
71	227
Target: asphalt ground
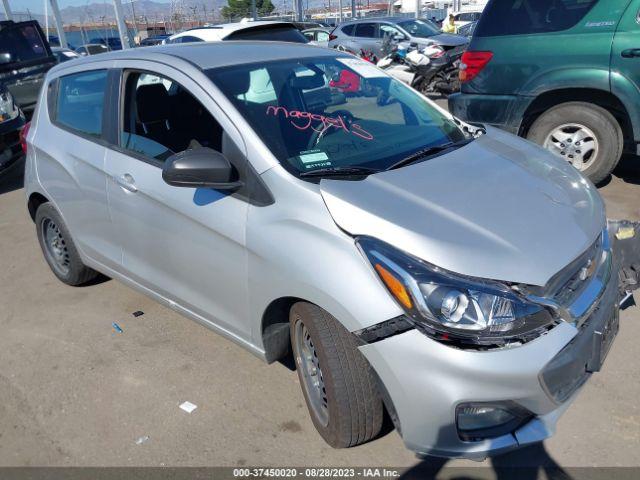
75	393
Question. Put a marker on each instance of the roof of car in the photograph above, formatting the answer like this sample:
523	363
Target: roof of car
218	32
379	19
208	55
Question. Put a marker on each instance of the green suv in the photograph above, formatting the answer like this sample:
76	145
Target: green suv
562	73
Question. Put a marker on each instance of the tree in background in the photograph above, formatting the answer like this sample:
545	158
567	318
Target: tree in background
242	8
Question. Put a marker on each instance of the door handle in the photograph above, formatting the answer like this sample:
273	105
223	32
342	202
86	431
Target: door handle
127	182
631	53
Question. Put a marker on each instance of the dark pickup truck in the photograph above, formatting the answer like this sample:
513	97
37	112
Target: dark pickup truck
25	58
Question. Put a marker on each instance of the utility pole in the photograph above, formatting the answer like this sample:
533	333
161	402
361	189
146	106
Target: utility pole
340	11
418	8
133	14
7	10
122	27
57	18
300	11
254	10
353	9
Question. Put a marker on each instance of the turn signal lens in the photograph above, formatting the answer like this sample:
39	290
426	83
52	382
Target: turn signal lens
395	286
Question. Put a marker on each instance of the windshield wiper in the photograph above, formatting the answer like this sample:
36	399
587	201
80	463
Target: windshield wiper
427	152
352	171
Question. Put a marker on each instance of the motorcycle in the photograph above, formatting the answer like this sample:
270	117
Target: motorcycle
428	69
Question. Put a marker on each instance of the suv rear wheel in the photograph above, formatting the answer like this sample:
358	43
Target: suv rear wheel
584	134
337	381
58	248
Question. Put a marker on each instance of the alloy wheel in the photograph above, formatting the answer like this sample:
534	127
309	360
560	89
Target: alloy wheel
311	374
55	246
575	143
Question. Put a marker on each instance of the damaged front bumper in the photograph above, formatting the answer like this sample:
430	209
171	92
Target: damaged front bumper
424	381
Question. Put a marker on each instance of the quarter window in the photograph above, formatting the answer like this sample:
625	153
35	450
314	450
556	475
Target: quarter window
81	101
348	30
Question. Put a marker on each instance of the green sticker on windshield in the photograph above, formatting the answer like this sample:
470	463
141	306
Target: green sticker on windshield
312	156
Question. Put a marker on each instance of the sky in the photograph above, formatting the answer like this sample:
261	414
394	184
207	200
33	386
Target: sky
37	6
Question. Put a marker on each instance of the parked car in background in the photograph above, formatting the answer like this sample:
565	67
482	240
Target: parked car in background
114	43
155	40
25	57
462	278
259	30
12	121
468	29
565	75
464	17
54	41
369	34
64	54
92	49
318	36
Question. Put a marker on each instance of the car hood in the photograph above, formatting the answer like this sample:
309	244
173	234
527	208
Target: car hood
444	39
498	208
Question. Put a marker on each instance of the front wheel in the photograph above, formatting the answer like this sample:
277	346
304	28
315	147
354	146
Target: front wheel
585	135
337	381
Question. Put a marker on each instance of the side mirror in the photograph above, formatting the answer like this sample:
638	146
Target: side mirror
5	57
200	167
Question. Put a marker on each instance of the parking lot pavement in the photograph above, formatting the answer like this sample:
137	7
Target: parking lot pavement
74	392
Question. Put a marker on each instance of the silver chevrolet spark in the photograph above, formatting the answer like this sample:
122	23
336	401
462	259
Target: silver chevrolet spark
297	199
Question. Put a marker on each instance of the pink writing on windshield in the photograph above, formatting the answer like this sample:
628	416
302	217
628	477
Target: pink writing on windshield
318	123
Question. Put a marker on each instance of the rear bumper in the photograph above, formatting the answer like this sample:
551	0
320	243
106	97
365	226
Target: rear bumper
501	111
425	381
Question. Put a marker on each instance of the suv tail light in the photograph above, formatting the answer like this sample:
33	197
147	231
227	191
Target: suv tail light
23	136
332	36
472	64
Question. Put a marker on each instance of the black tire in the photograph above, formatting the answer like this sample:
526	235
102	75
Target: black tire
604	126
73	272
355	409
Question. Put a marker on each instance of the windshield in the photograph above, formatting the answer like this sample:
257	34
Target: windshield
420	28
329	112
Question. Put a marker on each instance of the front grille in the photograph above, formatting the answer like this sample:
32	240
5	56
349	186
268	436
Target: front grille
575	291
572	281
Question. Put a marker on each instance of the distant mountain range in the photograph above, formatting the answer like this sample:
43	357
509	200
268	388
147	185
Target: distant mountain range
156	11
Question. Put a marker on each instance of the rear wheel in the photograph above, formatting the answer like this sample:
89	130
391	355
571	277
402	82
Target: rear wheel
336	380
585	135
58	248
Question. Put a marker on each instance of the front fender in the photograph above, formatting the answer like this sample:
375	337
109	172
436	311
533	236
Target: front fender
296	250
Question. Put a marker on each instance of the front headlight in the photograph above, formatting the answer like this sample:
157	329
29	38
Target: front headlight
452	307
8	108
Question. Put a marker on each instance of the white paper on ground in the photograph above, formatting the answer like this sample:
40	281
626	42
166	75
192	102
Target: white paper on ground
188	407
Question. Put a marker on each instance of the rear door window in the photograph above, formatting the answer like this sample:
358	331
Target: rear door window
80	102
366	30
517	17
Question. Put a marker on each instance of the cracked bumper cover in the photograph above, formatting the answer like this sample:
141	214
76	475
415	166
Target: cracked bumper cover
425	380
